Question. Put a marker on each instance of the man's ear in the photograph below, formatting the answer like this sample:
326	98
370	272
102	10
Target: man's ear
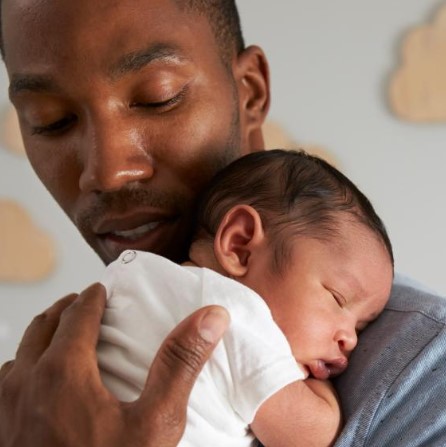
251	73
239	235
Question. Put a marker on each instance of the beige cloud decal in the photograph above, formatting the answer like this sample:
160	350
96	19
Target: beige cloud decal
26	252
10	137
276	136
417	89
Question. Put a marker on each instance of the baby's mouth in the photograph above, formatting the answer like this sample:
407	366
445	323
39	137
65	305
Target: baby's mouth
319	370
324	370
337	366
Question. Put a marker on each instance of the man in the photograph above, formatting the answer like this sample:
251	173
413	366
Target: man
127	108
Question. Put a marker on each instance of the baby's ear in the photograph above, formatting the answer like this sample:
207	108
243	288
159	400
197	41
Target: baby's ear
239	235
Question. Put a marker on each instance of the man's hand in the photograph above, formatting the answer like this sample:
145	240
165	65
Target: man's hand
52	395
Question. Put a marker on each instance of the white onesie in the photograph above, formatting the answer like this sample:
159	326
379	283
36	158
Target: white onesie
148	296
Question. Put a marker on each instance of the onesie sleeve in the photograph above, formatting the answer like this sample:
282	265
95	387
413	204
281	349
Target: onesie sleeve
259	356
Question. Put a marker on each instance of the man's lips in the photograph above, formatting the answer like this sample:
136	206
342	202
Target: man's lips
137	232
131	225
323	370
147	232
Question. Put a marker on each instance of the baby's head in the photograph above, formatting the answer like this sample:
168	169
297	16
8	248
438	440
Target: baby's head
299	233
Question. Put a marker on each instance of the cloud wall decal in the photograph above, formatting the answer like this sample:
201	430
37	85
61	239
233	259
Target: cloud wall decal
417	90
26	252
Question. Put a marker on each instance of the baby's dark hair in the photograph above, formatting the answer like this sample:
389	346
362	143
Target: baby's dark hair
295	194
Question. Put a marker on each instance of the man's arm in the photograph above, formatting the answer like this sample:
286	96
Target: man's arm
51	395
305	413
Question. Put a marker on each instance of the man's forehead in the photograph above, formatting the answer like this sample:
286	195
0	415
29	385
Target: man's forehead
40	8
62	27
29	9
58	13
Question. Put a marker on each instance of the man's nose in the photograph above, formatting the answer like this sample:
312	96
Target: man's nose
114	154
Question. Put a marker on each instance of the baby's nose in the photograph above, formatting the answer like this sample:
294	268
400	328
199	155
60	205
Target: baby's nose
347	341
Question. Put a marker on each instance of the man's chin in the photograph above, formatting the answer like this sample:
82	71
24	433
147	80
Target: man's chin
110	248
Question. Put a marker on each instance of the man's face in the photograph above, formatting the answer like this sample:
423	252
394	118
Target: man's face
126	111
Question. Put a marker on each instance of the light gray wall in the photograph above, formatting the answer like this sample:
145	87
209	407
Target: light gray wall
330	64
330	61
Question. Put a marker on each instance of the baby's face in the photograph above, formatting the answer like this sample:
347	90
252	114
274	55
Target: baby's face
326	294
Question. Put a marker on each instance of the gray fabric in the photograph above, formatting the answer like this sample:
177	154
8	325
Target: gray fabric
393	393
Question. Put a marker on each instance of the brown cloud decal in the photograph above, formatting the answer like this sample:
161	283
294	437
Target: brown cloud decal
275	136
417	90
26	252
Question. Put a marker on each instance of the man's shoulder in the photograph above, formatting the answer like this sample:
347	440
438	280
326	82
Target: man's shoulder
395	385
411	299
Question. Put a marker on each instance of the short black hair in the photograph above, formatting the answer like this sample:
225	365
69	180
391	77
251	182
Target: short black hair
295	194
223	18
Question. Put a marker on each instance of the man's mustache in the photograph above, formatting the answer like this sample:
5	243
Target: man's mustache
124	200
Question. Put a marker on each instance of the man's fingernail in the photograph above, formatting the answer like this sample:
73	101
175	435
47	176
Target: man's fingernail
214	324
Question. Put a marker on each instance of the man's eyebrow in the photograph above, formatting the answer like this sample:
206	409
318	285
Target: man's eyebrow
31	83
137	60
133	61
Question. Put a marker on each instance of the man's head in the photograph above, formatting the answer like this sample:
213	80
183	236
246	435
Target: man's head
129	107
299	233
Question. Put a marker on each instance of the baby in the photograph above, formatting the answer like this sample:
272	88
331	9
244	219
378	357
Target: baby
297	255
